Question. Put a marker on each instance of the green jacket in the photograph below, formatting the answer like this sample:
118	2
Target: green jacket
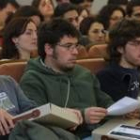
76	89
27	130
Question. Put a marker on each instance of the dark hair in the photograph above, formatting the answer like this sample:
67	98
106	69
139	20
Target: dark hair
52	32
131	5
118	2
3	3
80	9
79	1
76	1
86	24
63	8
14	28
106	12
36	3
28	11
120	34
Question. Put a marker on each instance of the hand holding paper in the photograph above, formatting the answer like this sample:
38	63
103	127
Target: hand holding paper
123	106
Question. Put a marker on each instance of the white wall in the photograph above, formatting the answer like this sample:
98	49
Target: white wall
97	5
24	2
28	2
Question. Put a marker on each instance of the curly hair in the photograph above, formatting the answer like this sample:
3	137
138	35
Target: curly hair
131	5
86	24
120	34
106	12
52	32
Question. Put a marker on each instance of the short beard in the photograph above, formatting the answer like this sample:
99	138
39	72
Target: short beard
64	69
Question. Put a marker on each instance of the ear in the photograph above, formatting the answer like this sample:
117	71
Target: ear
48	49
120	50
15	40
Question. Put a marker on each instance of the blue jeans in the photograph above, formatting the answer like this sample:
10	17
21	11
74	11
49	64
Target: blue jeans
88	138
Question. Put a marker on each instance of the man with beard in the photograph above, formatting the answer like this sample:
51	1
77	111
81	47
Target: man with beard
54	77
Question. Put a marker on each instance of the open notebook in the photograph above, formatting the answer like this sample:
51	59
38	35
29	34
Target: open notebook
50	114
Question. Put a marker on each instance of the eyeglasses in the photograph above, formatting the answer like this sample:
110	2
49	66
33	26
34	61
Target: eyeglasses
70	46
135	43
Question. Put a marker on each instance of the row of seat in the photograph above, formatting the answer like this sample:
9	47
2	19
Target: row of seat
96	51
16	69
94	60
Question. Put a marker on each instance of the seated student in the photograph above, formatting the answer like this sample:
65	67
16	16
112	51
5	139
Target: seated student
54	77
120	77
29	12
69	12
133	9
19	39
93	28
12	102
111	14
45	7
6	7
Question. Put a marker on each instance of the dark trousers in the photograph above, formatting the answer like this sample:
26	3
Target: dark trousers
4	137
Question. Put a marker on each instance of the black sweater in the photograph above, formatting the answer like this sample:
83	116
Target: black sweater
119	82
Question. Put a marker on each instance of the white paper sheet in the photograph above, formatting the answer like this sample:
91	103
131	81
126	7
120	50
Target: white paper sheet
123	106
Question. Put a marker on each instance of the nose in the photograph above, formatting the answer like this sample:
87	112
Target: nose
34	35
75	23
101	35
49	6
75	51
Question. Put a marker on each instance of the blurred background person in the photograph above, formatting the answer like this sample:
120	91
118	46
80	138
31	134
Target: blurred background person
133	9
19	39
84	3
94	29
110	14
45	7
6	7
30	12
67	11
83	13
121	3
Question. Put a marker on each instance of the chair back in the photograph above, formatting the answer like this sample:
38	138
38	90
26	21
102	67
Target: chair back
98	51
82	53
13	69
94	64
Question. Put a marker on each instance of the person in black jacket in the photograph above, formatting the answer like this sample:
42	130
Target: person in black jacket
120	77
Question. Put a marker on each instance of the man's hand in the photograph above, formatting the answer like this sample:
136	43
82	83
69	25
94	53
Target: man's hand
79	115
6	122
94	114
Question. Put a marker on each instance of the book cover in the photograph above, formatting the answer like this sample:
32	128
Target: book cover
128	131
50	114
